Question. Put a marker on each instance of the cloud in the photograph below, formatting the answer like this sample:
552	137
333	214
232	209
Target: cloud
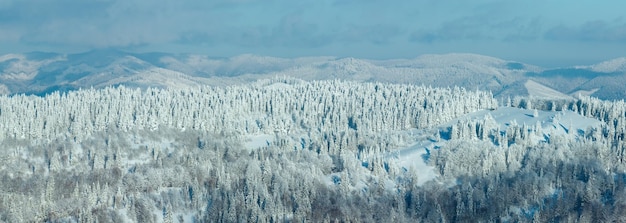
592	31
297	34
240	23
524	30
290	31
480	28
91	23
244	23
378	34
105	23
356	28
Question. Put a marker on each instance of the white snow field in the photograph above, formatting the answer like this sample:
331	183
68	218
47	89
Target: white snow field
540	91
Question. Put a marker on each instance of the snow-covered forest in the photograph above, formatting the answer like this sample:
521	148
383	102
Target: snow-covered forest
321	151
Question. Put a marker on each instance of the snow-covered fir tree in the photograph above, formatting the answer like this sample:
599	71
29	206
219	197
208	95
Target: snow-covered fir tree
289	150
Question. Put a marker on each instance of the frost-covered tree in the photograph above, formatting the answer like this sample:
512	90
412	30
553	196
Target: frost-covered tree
122	154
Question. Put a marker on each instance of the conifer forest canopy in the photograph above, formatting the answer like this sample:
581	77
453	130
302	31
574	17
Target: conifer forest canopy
288	150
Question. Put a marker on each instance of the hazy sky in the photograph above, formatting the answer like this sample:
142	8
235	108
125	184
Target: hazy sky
543	32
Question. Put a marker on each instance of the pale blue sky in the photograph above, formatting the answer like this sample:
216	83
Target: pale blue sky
543	32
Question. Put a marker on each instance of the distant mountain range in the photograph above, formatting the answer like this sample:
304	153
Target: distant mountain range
40	73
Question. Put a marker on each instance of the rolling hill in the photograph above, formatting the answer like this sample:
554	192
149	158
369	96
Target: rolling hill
41	73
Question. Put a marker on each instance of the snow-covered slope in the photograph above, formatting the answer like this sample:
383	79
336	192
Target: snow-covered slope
566	124
551	122
41	73
21	67
537	90
617	65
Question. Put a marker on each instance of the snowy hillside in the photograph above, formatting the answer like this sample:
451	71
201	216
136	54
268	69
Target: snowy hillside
617	65
540	91
548	124
285	149
42	73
